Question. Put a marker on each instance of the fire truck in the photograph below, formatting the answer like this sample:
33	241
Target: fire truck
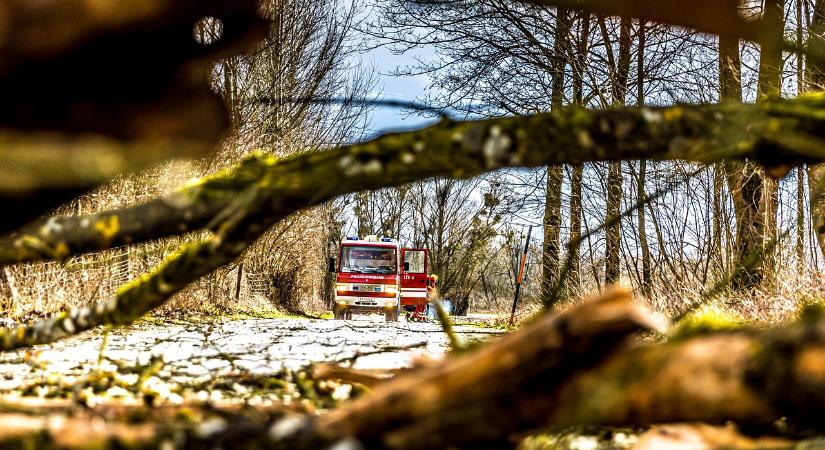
377	275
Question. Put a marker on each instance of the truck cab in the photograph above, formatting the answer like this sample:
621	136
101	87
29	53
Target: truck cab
377	275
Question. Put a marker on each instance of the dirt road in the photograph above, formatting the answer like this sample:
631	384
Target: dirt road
193	351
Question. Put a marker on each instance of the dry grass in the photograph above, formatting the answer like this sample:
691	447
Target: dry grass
283	271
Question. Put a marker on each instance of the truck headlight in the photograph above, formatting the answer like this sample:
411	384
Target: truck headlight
341	287
391	289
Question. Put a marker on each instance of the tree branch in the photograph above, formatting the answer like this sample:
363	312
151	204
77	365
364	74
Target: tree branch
189	208
720	17
778	134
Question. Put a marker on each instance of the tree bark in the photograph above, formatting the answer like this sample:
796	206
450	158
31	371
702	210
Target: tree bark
573	280
641	194
574	277
238	280
815	79
9	290
720	231
613	233
801	226
744	179
362	216
747	189
555	173
770	85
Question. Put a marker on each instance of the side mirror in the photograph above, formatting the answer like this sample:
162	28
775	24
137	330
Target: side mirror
406	266
331	267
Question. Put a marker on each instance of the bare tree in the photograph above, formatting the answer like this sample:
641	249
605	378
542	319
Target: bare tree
620	71
555	174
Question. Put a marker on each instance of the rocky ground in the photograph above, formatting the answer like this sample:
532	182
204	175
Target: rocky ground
252	359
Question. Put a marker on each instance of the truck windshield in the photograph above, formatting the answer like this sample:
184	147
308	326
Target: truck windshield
369	260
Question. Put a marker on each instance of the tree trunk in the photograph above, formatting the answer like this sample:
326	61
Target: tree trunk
744	179
801	227
613	233
720	252
801	170
552	231
770	86
333	237
815	80
238	280
647	266
574	256
362	204
9	290
746	186
555	173
573	280
641	194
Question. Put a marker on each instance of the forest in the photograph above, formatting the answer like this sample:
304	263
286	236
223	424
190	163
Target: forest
412	224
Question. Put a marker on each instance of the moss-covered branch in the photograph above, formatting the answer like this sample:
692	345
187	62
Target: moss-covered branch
189	208
778	134
561	371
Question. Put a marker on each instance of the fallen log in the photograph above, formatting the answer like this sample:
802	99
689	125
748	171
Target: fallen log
578	367
480	398
517	385
747	376
452	403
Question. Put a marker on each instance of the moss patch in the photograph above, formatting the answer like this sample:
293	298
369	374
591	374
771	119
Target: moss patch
709	319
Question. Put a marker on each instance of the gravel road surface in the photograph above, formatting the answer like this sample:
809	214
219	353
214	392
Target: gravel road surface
194	351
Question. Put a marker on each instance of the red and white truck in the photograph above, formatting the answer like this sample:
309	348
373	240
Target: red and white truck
377	275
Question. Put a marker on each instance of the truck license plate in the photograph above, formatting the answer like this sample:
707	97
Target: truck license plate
368	288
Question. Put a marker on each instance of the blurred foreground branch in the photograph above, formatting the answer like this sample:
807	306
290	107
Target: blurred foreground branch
94	89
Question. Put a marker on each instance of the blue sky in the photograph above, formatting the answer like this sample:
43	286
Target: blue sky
390	87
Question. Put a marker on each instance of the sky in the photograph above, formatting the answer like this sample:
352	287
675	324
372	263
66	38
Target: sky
389	87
